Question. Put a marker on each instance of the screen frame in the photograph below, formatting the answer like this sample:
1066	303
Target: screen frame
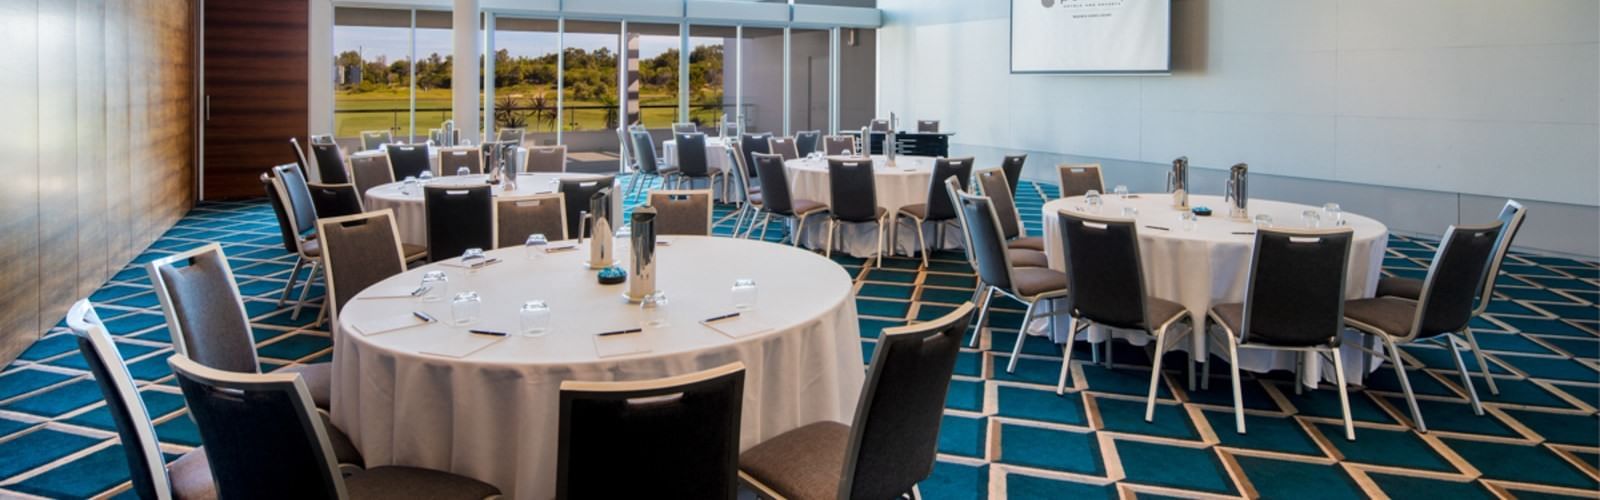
1011	52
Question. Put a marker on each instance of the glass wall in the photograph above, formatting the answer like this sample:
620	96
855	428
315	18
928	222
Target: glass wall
434	56
525	71
711	93
372	75
591	111
653	54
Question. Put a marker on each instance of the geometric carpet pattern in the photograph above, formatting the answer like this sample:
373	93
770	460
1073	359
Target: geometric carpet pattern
1003	435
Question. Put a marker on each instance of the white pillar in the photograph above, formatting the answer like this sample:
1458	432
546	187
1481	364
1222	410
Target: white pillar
465	70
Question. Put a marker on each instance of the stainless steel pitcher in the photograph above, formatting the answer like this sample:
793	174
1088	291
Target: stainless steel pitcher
1238	194
1178	183
642	229
601	253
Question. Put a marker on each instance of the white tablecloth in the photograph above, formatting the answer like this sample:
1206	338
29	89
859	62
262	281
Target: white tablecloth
716	154
433	157
906	183
493	414
412	220
1210	265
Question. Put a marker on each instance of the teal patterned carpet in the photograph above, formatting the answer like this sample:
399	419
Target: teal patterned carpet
1004	435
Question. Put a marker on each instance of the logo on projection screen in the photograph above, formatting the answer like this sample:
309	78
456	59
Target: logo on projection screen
1048	3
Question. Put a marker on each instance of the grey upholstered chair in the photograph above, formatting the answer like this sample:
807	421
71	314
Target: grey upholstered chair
409	161
331	165
299	156
453	158
775	198
678	437
517	217
807	141
188	477
302	216
458	218
785	147
939	209
1077	179
646	163
276	200
892	442
692	161
992	183
1012	166
358	251
928	126
1511	217
372	139
684	128
997	272
1294	301
547	159
840	145
878	125
514	135
753	144
683	212
576	193
1444	308
739	177
853	186
335	200
370	171
1106	276
264	440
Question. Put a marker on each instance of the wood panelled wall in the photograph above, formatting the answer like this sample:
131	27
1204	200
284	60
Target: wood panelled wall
98	101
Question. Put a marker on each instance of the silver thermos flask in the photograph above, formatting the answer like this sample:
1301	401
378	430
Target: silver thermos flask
1178	183
1238	194
601	255
642	229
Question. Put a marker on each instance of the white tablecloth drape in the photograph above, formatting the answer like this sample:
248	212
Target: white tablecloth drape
905	183
492	414
1210	265
412	220
433	157
716	154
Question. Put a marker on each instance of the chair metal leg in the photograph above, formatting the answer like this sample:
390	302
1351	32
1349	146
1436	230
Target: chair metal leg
299	261
1110	352
922	242
1205	365
828	248
1299	373
1483	362
983	313
799	229
1155	376
1191	369
1066	356
878	262
1466	376
1094	350
1022	334
305	289
766	223
1344	394
916	493
1238	390
1405	383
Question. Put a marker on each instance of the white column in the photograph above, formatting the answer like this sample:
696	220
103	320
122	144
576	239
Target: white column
488	73
464	72
319	95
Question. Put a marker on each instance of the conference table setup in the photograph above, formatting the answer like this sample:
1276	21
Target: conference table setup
906	182
433	154
474	390
410	211
716	153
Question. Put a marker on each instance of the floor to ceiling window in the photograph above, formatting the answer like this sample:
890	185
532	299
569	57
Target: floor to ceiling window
809	65
525	76
591	112
711	94
372	76
434	55
652	65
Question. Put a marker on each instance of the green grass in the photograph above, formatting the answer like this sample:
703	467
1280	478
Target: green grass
387	110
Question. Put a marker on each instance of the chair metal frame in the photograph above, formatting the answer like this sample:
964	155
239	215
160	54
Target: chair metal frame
989	290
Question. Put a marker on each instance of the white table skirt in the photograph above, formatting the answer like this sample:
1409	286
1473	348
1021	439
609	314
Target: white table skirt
1211	265
412	220
433	156
716	154
904	184
493	415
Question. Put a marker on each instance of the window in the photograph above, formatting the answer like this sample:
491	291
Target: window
653	52
434	56
525	77
710	94
591	111
372	77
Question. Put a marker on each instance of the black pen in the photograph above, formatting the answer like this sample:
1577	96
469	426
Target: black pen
423	316
560	249
488	332
1245	233
485	263
619	332
1159	227
720	318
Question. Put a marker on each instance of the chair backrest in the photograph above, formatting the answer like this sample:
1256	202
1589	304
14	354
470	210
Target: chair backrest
1077	179
516	217
358	251
453	158
299	156
147	468
853	188
928	126
372	139
623	148
458	218
894	437
370	171
940	206
840	145
575	193
261	435
513	135
1454	279
784	146
289	241
322	139
409	161
775	195
335	200
1012	166
205	314
644	152
878	125
806	141
676	437
686	212
1511	217
692	155
952	188
754	144
992	183
1103	270
684	128
330	164
740	171
1295	293
547	159
296	194
986	246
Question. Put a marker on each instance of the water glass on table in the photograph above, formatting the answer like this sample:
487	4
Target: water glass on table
473	257
435	285
1311	218
744	294
464	308
425	176
463	171
535	245
1333	213
1263	220
652	311
1188	221
1121	191
1092	199
1130	212
409	185
535	316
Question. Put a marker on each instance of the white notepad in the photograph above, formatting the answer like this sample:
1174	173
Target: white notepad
740	327
389	324
460	344
389	292
456	263
611	346
560	247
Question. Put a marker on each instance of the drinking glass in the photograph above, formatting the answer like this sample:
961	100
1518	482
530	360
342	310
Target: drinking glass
652	313
1121	191
1188	220
535	315
1130	212
464	308
435	285
409	186
1334	213
425	176
463	171
1311	218
473	257
1092	198
535	245
744	294
1263	220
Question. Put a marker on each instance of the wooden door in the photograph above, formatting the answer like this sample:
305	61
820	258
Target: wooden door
254	94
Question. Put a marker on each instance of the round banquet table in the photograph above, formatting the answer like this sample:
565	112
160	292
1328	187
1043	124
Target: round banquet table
433	156
716	153
1210	265
905	183
412	220
486	407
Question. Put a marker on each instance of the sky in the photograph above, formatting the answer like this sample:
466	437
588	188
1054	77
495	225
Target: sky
393	43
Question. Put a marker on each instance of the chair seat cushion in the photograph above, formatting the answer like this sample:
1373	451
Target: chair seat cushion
919	210
1386	315
344	450
1030	243
190	476
311	247
1159	311
1230	316
877	215
1036	281
1405	288
413	252
804	463
803	206
411	482
1027	258
753	198
319	380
